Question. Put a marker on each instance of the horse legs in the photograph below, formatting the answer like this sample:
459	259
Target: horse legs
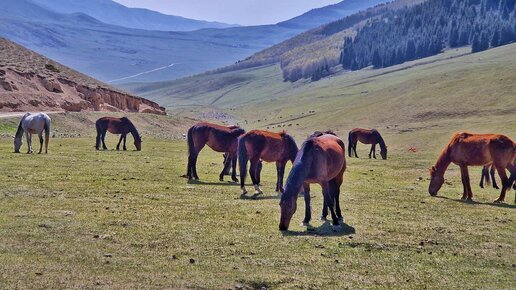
308	210
40	135
336	183
280	168
484	175
329	201
103	137
28	136
119	141
255	177
227	162
233	167
125	139
492	172
355	148
505	182
373	149
468	194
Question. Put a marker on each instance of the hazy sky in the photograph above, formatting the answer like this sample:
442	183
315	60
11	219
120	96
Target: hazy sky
244	12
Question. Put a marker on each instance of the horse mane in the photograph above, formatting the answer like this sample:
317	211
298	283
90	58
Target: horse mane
444	158
19	131
319	133
300	170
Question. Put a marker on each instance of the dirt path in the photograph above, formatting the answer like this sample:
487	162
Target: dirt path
5	115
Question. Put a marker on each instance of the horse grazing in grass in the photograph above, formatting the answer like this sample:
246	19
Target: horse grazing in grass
322	160
488	173
33	124
122	126
217	137
466	149
259	145
366	136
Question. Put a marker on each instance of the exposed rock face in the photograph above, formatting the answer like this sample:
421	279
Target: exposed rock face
30	82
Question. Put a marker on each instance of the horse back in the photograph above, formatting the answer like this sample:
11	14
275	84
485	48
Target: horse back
217	137
480	149
329	159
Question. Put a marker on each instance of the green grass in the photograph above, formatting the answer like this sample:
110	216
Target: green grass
63	213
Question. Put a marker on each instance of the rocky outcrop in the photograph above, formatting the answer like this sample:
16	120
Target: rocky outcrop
30	82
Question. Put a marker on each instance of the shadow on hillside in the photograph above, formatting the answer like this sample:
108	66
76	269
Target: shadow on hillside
504	205
324	230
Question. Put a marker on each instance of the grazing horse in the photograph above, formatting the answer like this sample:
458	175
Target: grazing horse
122	126
366	136
217	137
466	149
33	124
322	160
488	170
259	145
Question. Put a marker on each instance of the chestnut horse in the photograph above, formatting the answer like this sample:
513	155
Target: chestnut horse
466	149
217	137
122	126
322	160
366	136
259	145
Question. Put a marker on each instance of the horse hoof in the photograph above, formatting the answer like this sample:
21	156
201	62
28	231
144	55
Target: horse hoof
341	220
308	226
498	201
337	227
323	219
496	187
235	179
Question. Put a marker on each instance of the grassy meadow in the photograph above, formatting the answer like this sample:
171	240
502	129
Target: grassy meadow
78	218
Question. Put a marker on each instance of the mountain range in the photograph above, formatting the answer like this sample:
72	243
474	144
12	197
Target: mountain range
116	54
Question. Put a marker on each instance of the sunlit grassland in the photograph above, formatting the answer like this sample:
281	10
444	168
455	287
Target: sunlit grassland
81	218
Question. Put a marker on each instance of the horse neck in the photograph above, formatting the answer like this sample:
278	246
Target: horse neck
134	132
19	132
291	147
443	161
299	171
381	143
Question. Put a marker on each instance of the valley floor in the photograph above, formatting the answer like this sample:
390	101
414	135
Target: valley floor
78	218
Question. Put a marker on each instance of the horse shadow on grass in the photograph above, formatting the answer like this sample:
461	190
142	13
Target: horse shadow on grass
259	197
223	183
324	230
472	202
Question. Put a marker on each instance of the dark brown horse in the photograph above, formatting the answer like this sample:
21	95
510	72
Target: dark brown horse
217	137
322	160
122	126
366	136
466	149
259	145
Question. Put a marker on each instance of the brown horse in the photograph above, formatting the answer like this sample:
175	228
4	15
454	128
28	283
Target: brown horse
259	145
122	126
466	149
217	137
366	136
322	160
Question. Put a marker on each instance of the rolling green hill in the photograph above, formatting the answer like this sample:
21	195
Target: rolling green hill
445	92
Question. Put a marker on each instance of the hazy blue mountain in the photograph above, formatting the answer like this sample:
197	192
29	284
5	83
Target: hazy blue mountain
110	52
327	14
114	13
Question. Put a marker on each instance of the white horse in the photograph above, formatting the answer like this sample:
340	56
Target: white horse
33	124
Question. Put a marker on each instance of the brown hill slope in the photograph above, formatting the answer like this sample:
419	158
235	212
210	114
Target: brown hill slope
29	81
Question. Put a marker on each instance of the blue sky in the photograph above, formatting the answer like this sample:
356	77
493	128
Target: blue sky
244	12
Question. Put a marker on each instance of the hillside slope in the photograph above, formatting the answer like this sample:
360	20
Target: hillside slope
31	82
111	12
446	92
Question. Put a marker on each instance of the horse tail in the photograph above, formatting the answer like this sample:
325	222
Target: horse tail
99	134
47	132
242	160
300	169
350	142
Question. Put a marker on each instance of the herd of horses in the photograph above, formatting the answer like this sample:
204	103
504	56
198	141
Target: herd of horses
321	159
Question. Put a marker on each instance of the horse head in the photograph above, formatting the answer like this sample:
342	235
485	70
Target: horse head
383	153
436	181
18	142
